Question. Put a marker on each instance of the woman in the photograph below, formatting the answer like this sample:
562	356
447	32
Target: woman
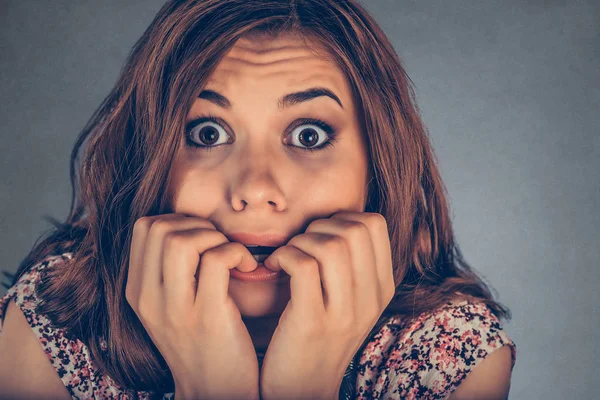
287	125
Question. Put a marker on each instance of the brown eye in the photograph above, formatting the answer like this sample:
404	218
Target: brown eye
207	134
309	135
204	133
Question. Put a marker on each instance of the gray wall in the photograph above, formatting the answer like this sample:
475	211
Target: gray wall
510	94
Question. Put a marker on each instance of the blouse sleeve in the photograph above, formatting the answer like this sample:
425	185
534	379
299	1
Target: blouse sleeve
70	358
430	357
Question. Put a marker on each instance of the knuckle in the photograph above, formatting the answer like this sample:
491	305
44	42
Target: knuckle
210	225
210	256
333	244
378	221
356	230
235	246
175	239
215	236
142	224
293	242
160	227
308	264
316	223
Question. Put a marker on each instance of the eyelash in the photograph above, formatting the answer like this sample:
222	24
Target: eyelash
329	130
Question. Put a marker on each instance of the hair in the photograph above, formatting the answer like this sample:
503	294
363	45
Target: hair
134	134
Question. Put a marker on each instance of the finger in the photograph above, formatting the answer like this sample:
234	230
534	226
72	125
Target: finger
181	260
305	281
380	239
362	266
333	259
152	278
140	232
214	275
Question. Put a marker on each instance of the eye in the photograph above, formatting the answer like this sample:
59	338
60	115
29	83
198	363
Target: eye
311	135
205	132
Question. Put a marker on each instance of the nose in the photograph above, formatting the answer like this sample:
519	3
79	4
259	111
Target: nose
255	186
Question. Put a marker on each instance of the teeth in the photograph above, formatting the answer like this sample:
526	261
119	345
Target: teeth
260	257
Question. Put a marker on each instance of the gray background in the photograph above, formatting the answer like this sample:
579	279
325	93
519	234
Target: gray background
510	93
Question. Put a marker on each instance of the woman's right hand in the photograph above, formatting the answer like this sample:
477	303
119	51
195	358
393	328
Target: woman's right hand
177	285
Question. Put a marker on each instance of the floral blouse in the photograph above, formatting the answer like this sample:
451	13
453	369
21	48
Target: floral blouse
424	357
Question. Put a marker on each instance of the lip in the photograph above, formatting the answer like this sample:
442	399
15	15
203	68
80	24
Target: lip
245	238
260	274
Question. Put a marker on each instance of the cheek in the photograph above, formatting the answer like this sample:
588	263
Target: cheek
338	188
194	189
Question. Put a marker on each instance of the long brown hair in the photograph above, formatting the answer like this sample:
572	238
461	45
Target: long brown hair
132	137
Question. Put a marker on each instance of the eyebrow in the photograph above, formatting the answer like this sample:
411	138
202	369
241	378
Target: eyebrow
286	101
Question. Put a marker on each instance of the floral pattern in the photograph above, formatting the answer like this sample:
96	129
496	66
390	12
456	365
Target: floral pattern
424	357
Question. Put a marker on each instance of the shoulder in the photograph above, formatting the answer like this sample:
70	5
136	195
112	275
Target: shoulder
70	359
24	368
23	292
25	365
430	355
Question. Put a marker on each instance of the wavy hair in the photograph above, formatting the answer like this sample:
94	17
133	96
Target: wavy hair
132	137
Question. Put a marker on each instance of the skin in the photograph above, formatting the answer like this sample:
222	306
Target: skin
257	178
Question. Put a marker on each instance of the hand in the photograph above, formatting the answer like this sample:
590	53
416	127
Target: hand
341	280
177	285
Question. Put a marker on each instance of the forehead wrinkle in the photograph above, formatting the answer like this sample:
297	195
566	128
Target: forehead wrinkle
219	82
269	63
230	64
261	63
271	55
260	52
318	81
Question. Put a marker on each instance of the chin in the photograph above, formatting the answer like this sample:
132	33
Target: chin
259	299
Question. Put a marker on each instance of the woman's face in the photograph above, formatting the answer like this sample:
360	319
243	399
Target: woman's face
257	177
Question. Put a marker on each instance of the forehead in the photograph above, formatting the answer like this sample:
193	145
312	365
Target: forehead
284	60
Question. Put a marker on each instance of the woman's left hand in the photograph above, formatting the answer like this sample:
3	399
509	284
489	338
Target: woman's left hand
341	280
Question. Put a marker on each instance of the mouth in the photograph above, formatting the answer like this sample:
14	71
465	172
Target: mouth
266	240
261	273
260	253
